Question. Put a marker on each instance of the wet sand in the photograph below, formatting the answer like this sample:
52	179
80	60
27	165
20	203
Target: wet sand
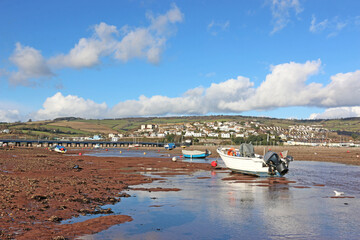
39	188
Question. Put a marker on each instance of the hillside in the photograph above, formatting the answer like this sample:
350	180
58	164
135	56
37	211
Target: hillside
70	127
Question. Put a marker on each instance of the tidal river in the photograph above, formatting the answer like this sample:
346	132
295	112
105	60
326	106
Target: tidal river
209	207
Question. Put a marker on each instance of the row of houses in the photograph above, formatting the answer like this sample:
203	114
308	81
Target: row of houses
227	130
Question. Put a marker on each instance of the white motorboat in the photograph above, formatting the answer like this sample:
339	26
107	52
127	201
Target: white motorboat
58	148
244	160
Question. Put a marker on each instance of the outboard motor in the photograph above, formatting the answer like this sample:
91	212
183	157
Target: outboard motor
274	162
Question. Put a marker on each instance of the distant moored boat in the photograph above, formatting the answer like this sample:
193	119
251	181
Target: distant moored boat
195	153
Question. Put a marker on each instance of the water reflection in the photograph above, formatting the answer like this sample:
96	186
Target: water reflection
209	207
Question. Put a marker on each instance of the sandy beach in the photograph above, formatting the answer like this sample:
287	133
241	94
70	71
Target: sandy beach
40	188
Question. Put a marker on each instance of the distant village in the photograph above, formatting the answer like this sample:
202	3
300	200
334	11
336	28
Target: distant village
226	132
236	132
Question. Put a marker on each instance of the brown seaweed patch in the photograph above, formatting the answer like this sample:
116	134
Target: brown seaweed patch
203	177
285	181
300	187
263	181
319	185
164	174
244	181
342	197
158	189
239	177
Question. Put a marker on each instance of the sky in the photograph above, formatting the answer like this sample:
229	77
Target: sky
296	59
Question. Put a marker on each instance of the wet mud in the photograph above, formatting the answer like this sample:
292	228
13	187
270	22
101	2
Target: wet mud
39	189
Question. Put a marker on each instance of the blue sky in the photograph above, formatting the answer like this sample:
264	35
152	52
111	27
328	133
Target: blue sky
112	59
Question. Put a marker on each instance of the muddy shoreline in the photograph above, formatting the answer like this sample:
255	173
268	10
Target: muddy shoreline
39	188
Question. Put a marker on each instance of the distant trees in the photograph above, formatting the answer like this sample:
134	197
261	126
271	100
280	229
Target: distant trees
261	139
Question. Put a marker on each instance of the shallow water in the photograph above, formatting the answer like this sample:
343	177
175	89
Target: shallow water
211	208
126	152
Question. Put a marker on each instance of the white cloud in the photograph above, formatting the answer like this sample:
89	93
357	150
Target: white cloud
87	51
161	24
317	27
281	11
331	27
148	42
70	106
286	85
210	74
336	113
215	27
141	42
9	115
343	90
30	64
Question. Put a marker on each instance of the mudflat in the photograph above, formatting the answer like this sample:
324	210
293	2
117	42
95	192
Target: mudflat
39	189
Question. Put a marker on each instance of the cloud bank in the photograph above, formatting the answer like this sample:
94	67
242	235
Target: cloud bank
336	113
10	115
63	106
140	42
286	85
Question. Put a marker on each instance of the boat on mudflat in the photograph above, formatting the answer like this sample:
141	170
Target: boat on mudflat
244	160
58	148
195	153
170	146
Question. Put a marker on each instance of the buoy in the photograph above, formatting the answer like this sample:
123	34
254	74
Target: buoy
106	150
144	153
120	152
174	159
214	163
80	154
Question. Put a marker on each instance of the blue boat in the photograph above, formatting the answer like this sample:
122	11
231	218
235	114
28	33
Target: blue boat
170	146
195	153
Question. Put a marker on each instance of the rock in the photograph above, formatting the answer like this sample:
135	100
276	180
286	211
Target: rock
55	219
38	197
125	195
60	238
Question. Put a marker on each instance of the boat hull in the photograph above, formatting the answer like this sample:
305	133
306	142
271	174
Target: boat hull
195	154
246	165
